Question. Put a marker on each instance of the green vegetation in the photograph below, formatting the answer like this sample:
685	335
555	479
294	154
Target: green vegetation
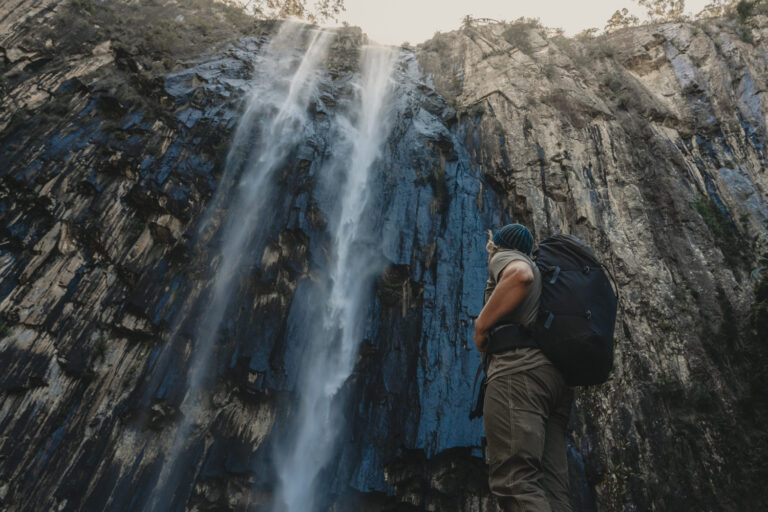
149	38
681	294
615	86
752	365
745	9
517	33
161	33
616	482
438	43
747	36
739	350
701	397
131	373
721	345
173	29
740	9
549	70
100	349
321	11
663	10
467	22
136	227
600	47
672	10
5	329
621	19
737	249
757	455
573	50
758	323
695	397
83	5
669	389
759	312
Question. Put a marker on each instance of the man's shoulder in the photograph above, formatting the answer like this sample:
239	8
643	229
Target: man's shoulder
504	257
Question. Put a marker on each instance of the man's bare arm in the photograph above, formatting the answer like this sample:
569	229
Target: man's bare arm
513	286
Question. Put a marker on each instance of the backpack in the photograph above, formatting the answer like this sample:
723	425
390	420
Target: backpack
576	318
577	311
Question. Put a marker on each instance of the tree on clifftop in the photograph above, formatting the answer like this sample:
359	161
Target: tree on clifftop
715	8
663	10
321	10
621	19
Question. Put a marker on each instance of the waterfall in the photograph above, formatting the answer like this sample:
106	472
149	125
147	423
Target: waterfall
279	100
270	128
335	323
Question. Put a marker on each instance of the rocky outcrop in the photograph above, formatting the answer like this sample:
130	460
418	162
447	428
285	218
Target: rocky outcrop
648	143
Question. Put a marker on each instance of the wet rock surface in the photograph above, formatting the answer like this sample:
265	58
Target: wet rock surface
648	144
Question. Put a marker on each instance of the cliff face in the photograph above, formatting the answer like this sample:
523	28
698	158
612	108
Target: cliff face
648	143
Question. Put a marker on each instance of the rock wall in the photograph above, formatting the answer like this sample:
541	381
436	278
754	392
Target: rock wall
650	144
647	143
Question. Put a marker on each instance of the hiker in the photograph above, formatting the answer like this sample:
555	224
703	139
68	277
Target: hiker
527	402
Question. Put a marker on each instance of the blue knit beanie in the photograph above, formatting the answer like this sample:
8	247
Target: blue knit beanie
514	236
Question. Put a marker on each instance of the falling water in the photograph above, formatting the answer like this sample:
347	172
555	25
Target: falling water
268	131
336	328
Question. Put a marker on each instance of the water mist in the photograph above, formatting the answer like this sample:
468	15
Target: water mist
334	324
268	131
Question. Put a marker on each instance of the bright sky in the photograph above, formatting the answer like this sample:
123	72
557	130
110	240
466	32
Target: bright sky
415	21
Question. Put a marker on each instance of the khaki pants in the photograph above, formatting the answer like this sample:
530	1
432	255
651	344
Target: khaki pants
526	415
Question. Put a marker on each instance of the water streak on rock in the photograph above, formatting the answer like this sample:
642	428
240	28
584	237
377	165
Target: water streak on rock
266	134
335	325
